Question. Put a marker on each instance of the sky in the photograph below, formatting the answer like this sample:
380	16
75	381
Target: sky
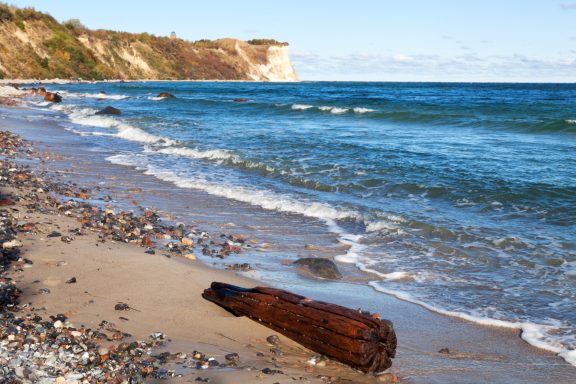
367	40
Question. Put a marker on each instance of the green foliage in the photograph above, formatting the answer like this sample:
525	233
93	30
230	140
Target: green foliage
29	14
5	14
74	25
265	42
205	43
70	57
2	75
44	63
20	24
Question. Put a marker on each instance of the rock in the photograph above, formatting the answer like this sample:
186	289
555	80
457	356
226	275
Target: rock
273	340
52	97
54	234
444	351
12	244
319	267
190	256
72	280
58	324
109	111
122	307
166	95
240	100
187	242
232	358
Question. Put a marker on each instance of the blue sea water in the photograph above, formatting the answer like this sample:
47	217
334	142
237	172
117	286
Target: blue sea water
460	197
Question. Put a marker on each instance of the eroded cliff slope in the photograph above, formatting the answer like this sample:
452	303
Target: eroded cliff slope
35	45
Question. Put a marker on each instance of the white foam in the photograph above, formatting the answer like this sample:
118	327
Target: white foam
211	154
156	98
130	160
219	155
570	121
301	107
76	95
363	110
87	117
335	110
534	334
261	198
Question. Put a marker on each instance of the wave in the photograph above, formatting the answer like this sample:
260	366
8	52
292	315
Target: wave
219	155
538	335
87	117
301	107
331	109
99	95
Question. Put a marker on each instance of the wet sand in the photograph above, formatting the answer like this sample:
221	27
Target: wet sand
165	293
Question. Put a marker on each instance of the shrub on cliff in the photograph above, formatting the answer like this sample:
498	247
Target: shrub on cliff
265	42
5	14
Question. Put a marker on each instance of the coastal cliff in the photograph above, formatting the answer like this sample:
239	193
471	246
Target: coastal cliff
35	45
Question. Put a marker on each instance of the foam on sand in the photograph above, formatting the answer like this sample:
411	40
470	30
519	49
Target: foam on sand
538	335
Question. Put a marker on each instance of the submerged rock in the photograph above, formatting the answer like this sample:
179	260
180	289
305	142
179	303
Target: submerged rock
53	97
319	267
109	111
166	95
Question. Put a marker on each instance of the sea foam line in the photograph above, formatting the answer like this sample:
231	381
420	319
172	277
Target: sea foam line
331	109
99	95
87	117
218	155
534	334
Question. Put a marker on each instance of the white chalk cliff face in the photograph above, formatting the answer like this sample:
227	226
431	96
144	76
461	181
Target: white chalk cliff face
278	68
275	66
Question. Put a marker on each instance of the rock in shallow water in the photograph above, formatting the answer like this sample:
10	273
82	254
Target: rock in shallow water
319	267
109	111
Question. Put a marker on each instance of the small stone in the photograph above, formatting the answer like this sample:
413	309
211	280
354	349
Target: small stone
277	352
12	244
268	371
187	242
190	256
232	358
66	239
444	351
54	234
122	307
72	280
157	336
273	340
58	324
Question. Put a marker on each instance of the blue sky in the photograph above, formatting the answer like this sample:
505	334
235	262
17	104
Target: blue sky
379	40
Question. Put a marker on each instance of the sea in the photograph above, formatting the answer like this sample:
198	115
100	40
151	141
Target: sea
459	197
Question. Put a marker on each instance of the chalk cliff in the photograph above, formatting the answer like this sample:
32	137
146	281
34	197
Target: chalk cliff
35	45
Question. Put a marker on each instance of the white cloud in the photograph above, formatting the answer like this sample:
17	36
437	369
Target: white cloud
467	66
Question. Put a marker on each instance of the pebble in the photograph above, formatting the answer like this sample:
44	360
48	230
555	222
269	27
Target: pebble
39	350
273	340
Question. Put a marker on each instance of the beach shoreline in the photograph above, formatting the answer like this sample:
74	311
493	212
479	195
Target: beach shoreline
495	350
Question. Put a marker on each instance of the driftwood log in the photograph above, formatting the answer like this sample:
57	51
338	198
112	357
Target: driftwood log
364	342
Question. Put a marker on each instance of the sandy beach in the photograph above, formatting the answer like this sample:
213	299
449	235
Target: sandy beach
85	270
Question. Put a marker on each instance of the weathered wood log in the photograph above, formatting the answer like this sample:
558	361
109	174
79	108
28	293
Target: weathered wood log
364	342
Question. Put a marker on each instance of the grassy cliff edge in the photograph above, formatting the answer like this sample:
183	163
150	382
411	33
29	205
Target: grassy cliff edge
33	45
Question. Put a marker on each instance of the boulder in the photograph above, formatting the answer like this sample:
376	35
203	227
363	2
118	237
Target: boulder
41	91
165	95
319	267
53	97
109	111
